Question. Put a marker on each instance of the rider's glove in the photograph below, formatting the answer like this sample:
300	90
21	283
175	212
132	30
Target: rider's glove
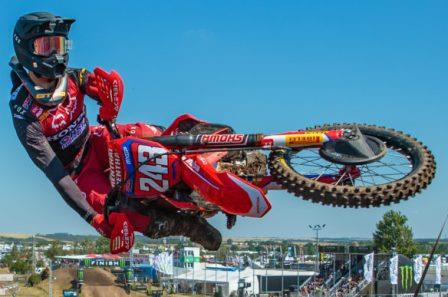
101	225
108	88
122	237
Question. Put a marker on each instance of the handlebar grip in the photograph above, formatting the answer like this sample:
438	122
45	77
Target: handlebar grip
110	126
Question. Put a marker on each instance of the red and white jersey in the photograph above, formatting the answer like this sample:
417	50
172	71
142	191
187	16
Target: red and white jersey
65	126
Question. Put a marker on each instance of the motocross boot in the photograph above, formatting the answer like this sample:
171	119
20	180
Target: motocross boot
196	228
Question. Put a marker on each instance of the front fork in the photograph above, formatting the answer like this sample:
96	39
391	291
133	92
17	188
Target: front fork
307	139
301	139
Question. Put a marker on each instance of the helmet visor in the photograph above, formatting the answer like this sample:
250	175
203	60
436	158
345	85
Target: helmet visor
49	45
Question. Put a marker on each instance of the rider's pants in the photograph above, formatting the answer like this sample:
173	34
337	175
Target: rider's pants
93	179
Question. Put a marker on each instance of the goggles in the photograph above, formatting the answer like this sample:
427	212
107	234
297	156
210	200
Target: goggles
49	45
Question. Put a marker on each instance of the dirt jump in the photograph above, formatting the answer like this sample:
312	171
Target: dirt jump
99	282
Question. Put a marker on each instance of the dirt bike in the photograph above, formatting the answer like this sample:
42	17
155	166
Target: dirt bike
203	168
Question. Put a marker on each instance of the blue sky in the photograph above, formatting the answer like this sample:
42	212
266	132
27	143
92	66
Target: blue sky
260	66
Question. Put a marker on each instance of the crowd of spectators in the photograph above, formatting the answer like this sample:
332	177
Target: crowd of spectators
348	285
314	288
319	287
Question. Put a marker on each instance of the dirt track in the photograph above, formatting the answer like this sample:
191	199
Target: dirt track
109	291
100	283
97	283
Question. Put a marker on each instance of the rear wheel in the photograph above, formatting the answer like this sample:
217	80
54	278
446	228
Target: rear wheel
407	168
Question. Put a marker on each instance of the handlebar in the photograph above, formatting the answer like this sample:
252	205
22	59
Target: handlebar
111	127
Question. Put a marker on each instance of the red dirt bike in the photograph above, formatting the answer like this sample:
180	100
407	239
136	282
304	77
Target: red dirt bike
204	168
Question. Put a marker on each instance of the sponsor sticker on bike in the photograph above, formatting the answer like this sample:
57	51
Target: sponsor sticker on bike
304	139
223	139
115	175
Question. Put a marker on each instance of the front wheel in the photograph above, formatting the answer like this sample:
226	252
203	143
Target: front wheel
407	168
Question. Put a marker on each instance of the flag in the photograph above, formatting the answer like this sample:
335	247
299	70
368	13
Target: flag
368	267
291	251
418	268
163	263
393	270
438	261
289	258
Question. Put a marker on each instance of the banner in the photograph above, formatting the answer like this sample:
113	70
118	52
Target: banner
438	262
360	249
393	270
291	251
368	267
332	249
418	268
289	258
190	259
163	263
105	263
406	276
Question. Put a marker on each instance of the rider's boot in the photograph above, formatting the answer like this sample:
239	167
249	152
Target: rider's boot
178	224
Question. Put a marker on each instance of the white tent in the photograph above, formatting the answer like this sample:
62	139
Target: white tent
227	278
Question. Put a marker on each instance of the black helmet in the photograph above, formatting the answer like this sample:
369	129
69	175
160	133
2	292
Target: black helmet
48	33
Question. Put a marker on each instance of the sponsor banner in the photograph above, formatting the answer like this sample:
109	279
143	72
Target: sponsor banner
406	272
331	249
190	259
368	267
360	249
418	268
438	262
393	270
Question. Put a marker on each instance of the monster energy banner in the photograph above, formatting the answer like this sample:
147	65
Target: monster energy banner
104	263
393	270
438	261
406	277
418	268
368	267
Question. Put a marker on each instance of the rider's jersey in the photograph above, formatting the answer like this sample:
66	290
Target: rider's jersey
55	137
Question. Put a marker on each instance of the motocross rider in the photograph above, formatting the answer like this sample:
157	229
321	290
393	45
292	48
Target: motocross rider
49	115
